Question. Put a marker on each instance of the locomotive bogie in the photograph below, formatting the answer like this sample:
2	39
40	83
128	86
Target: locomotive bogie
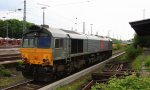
38	72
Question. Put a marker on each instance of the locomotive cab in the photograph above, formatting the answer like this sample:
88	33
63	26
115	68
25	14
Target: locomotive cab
36	52
36	47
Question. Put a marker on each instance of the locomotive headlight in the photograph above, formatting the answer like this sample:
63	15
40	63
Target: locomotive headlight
25	59
45	61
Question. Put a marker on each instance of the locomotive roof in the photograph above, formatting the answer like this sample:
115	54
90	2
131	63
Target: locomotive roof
93	37
63	33
68	31
56	32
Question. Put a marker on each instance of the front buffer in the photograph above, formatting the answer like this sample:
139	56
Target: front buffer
38	73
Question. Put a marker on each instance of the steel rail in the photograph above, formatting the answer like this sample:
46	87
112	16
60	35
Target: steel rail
9	58
17	85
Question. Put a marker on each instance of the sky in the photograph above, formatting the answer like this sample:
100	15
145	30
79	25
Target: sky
108	17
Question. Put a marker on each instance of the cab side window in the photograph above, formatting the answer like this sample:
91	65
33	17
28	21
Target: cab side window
58	43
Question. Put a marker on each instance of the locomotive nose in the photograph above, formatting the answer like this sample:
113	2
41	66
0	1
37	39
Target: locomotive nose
37	56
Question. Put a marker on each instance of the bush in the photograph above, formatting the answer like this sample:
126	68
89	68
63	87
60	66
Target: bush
116	46
1	67
19	64
121	58
4	72
142	41
132	52
147	62
137	63
128	83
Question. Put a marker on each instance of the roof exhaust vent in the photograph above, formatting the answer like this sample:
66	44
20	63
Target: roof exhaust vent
45	26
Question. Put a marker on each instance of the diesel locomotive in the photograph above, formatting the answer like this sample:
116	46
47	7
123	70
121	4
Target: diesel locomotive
48	52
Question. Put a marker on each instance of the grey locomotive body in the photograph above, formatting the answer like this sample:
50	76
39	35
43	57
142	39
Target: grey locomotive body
57	51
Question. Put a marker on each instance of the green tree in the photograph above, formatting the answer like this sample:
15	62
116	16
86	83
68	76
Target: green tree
142	41
2	28
15	28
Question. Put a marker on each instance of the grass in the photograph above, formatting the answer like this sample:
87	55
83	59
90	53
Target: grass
132	52
121	58
5	81
137	63
118	46
4	72
147	63
9	76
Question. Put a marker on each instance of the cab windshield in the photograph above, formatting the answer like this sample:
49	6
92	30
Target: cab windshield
38	41
43	42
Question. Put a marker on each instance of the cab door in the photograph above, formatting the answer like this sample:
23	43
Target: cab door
59	48
68	46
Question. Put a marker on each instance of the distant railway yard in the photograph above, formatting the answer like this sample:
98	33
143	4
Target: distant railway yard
9	55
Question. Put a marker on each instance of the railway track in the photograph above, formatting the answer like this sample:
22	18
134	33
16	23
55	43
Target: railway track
27	85
118	70
9	57
117	52
17	85
32	85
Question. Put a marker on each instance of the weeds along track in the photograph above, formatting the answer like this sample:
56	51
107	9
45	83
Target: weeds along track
118	69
